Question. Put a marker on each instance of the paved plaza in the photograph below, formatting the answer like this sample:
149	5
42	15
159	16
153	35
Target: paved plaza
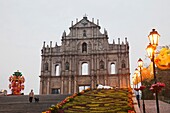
150	106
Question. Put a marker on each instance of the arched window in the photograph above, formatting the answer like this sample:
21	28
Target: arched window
123	64
57	70
46	66
67	66
101	64
113	68
84	47
84	68
84	33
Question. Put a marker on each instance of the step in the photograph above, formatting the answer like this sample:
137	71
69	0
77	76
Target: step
20	103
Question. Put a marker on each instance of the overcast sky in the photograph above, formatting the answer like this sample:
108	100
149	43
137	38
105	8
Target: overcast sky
25	24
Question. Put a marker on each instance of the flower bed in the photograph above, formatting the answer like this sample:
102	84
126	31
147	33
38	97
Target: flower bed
96	101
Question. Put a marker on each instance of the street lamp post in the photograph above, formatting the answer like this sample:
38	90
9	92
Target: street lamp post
153	38
140	65
137	96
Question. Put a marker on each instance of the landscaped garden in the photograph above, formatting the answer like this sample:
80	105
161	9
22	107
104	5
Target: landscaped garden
96	101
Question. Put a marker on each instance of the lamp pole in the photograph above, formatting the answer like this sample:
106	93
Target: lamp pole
136	72
155	79
153	38
140	65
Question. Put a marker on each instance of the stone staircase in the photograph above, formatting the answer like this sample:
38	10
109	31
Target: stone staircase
20	104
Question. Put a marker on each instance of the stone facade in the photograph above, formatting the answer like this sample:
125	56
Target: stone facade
84	59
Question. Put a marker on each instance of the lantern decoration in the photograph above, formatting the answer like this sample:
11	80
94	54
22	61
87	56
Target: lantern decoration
17	83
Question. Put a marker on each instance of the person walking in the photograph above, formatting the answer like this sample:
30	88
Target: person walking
31	96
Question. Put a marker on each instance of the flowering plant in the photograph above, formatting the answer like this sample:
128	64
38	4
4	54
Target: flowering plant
142	88
99	100
131	111
17	83
157	87
136	89
66	100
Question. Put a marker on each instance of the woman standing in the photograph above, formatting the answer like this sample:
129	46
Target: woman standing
31	96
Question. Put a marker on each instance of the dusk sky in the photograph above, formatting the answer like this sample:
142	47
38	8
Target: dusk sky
26	24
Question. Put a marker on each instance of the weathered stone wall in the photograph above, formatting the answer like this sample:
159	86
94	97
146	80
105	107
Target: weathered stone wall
84	44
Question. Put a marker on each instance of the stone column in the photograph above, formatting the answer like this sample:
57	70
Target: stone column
69	87
105	82
48	86
76	32
97	79
75	85
62	85
40	91
42	66
92	81
120	80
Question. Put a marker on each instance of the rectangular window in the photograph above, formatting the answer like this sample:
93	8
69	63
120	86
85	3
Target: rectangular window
81	88
55	91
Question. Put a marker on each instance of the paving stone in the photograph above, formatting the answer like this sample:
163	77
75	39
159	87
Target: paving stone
150	106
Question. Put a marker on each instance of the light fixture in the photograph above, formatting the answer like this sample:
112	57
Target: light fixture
154	37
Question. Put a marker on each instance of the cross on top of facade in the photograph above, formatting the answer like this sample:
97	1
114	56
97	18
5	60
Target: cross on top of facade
85	15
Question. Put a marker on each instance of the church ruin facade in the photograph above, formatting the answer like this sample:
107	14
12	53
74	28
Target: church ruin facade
84	59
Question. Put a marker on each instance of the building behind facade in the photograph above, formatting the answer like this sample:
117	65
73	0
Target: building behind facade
84	59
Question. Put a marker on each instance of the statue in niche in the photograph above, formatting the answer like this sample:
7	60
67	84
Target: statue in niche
84	33
67	66
123	64
46	66
101	65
